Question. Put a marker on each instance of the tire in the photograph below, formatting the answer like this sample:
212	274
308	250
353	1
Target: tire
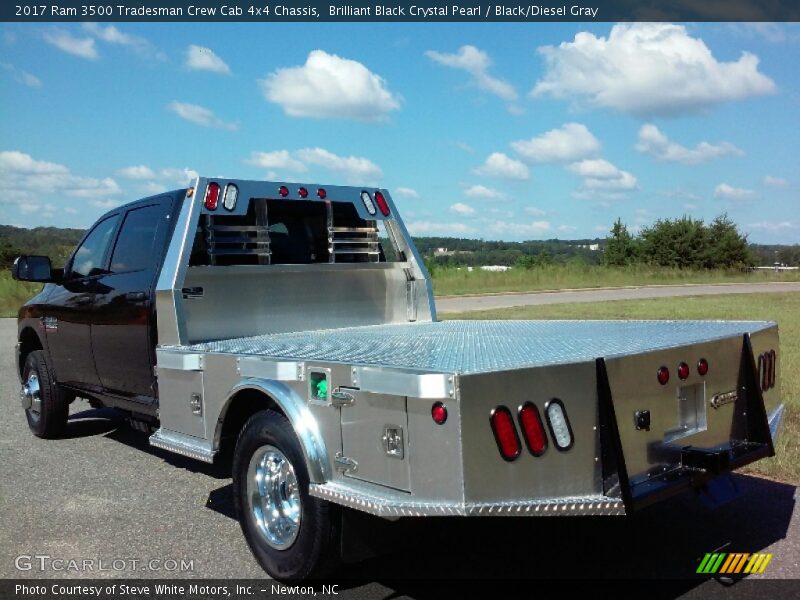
304	541
47	404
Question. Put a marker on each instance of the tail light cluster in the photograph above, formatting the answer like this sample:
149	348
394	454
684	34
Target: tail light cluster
380	201
683	370
533	432
766	370
213	193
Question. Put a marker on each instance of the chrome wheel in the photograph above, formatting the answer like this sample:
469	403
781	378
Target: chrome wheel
30	396
274	497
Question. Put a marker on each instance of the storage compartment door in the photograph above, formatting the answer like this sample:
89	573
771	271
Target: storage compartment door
375	436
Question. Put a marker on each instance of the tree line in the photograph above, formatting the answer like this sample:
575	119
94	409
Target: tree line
684	243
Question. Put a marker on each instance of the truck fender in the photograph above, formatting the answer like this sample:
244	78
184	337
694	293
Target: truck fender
303	422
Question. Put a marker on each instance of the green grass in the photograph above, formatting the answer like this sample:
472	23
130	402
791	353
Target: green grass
14	294
447	282
783	308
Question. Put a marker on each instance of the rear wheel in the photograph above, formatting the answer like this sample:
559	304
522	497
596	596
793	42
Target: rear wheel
45	403
291	534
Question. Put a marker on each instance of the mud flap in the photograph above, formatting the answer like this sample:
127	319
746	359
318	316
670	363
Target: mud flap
690	467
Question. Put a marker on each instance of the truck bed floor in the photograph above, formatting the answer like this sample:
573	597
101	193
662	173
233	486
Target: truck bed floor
479	346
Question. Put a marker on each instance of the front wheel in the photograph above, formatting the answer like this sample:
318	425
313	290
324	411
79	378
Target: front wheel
291	534
45	403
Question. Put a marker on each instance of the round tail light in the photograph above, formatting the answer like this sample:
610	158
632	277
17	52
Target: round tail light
702	366
663	375
683	371
439	413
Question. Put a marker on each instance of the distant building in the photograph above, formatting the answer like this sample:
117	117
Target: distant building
592	247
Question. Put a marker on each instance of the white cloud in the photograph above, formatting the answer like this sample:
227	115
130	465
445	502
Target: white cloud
105	204
729	192
328	86
647	69
533	228
281	160
536	212
21	76
200	116
406	192
462	209
771	181
599	174
475	62
481	191
23	179
775	226
499	165
567	228
156	182
112	35
433	228
137	172
71	210
653	142
355	169
178	176
571	142
200	58
63	40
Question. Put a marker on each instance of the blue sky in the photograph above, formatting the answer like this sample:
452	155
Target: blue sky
499	131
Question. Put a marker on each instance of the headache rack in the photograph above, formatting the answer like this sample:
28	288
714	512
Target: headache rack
234	236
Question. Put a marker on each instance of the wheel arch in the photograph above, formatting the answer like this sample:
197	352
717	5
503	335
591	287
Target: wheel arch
29	341
253	395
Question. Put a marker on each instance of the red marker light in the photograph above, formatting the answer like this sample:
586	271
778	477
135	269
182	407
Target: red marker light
303	192
702	366
663	375
383	206
321	193
683	370
439	413
283	191
212	196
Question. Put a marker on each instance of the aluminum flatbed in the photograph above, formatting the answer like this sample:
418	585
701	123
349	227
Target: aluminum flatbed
470	347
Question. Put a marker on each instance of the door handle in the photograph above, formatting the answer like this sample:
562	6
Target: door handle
135	296
85	299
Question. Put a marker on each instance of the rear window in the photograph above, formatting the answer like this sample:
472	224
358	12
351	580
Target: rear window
140	239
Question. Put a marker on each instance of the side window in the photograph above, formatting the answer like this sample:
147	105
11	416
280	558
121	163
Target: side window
142	234
88	259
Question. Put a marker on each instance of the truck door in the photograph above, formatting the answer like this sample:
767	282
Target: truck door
69	312
123	331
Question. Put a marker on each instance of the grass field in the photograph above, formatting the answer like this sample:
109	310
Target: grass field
448	282
14	294
783	308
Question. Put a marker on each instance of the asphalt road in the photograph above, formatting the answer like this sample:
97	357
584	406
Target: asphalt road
102	493
451	304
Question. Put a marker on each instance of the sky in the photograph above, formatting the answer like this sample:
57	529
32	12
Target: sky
496	131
